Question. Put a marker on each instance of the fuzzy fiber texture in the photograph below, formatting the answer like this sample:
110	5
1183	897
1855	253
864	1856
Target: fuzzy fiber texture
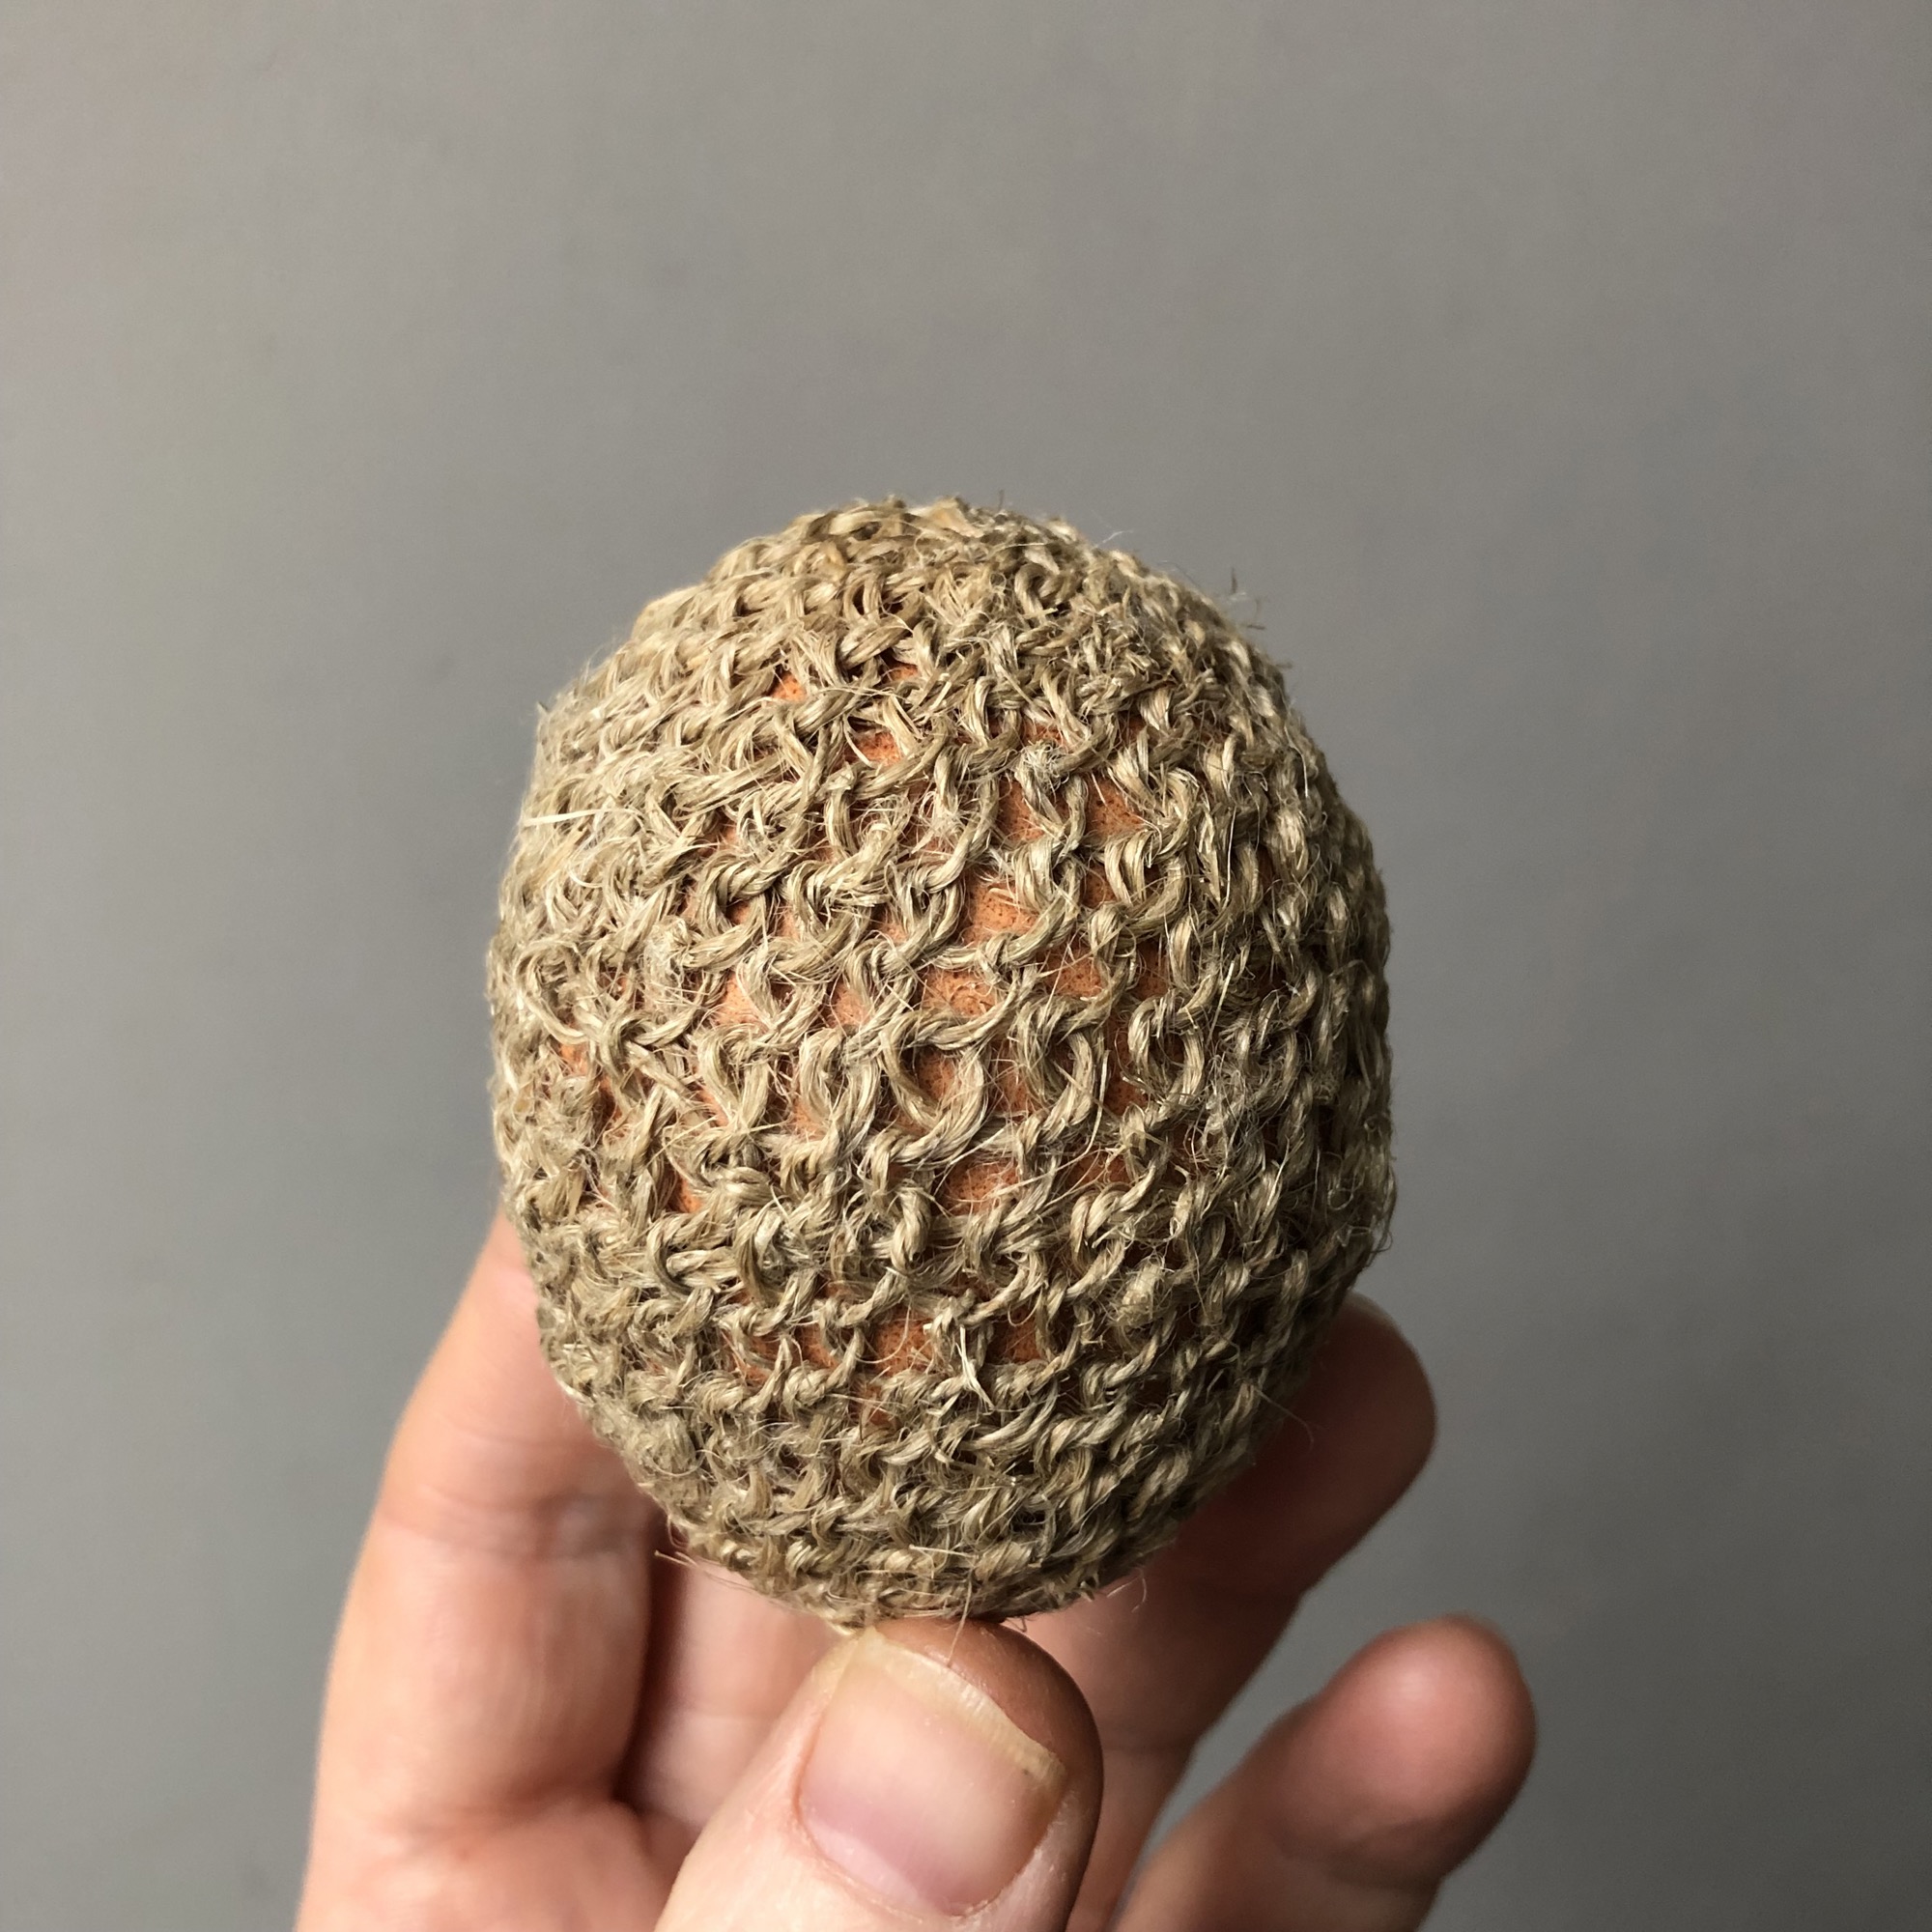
942	1081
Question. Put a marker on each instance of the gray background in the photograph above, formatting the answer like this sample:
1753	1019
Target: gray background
1554	377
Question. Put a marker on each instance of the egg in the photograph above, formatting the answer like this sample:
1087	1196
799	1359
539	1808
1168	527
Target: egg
941	1076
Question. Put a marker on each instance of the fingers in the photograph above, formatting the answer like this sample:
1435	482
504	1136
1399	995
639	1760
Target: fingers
1159	1657
488	1659
926	1775
1348	1816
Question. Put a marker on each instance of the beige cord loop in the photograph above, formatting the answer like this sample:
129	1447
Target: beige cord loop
941	1073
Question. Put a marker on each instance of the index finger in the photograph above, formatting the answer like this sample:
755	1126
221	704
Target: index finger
1159	1656
489	1654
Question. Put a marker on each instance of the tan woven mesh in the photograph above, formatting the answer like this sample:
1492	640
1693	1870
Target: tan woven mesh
941	1074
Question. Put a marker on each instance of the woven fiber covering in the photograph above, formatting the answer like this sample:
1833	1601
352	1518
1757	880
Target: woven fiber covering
941	1069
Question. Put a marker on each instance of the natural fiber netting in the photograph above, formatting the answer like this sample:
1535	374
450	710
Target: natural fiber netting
941	1074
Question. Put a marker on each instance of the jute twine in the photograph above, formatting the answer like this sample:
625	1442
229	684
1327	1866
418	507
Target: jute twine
941	1074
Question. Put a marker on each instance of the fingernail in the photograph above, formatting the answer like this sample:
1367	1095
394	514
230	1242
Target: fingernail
920	1786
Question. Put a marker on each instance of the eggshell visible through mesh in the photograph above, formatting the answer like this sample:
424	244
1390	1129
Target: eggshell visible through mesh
941	1070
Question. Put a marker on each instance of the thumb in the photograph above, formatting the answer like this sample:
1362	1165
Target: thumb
926	1775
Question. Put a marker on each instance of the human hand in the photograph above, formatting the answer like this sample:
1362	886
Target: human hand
535	1721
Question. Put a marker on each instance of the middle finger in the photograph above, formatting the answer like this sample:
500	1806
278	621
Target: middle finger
1160	1655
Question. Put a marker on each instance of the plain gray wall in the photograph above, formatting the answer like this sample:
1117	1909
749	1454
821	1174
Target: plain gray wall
1554	377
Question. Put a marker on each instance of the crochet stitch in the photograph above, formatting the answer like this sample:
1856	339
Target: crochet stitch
941	1072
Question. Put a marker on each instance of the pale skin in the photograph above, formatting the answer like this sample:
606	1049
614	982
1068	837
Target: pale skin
540	1717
